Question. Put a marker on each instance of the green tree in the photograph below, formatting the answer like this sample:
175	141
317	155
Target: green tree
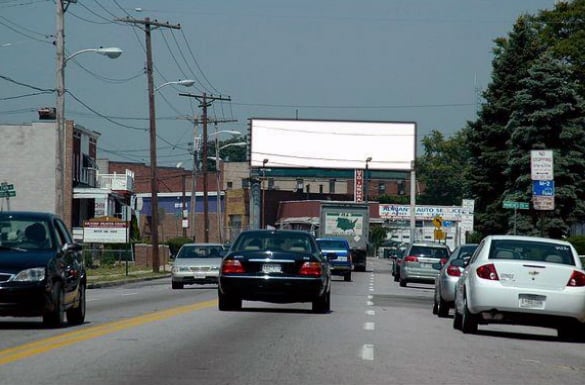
488	137
440	169
548	114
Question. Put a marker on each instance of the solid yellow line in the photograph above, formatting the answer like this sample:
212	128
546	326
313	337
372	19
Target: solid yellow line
41	346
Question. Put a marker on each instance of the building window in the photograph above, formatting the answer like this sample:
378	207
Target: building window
332	186
381	188
230	184
320	189
401	187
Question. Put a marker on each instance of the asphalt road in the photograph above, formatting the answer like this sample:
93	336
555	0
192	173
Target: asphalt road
377	333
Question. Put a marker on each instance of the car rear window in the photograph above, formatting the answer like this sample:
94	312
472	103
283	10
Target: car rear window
200	252
274	242
429	251
532	251
327	244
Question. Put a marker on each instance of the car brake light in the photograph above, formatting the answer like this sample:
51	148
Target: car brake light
577	279
411	258
230	266
312	269
488	272
453	271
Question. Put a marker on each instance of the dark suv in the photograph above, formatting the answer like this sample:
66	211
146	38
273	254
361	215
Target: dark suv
341	264
41	269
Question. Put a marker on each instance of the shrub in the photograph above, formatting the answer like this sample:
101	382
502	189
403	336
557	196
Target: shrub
176	243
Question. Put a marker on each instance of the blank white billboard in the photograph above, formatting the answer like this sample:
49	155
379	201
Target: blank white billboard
332	144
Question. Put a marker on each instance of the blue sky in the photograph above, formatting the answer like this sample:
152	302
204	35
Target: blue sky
388	60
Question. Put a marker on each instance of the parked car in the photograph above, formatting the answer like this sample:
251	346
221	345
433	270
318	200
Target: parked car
448	276
420	260
522	280
278	266
197	263
397	260
341	264
42	273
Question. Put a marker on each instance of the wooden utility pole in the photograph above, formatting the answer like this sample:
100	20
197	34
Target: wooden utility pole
148	25
204	102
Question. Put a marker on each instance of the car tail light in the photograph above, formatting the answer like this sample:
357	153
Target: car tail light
312	269
488	272
411	258
577	279
230	266
453	271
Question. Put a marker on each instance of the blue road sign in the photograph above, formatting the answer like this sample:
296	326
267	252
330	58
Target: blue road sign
543	188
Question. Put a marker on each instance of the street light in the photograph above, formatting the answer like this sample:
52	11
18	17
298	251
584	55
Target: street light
368	160
217	160
184	83
60	119
153	169
264	191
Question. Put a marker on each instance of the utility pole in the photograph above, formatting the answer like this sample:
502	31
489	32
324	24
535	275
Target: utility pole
61	163
147	27
204	102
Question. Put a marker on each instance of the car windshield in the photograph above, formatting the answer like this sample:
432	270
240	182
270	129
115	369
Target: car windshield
203	251
24	233
429	251
332	244
274	241
532	251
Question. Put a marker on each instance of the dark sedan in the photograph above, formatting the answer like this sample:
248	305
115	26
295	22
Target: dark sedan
41	269
277	266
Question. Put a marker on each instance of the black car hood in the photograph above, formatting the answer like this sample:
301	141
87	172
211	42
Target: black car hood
12	261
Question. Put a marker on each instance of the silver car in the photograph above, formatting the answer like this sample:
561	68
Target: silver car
422	262
197	263
448	277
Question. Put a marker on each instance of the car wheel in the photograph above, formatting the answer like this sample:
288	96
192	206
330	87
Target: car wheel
457	320
322	304
442	308
396	277
54	316
402	283
176	285
347	277
468	321
76	315
571	332
228	303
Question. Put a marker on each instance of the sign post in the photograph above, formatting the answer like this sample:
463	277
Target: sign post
515	205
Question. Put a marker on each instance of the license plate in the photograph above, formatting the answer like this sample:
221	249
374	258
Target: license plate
530	301
268	268
199	275
426	265
341	259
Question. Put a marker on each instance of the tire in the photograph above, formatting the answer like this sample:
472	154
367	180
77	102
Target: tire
402	283
442	308
76	314
457	320
571	332
396	277
347	277
322	304
54	316
228	303
468	321
176	285
435	305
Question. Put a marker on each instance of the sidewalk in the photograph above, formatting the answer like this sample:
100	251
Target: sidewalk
115	279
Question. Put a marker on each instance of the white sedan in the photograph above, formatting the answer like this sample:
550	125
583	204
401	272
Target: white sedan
522	280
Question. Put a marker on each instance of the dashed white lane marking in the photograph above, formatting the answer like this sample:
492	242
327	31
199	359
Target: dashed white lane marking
370	312
370	303
367	352
369	326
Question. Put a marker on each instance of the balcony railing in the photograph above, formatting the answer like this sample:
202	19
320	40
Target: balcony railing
117	182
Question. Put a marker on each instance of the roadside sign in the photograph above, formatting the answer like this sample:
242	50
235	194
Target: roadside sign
7	194
5	186
516	205
541	202
438	221
543	187
541	165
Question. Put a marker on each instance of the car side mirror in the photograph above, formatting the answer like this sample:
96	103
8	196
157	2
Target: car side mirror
71	247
